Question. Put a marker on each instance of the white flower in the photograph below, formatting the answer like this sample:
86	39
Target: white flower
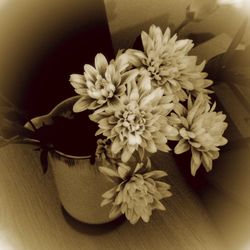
200	9
137	192
167	62
138	122
101	85
201	130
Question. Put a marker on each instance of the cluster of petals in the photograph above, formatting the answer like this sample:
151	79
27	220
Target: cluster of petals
138	122
140	101
137	191
201	130
168	64
101	85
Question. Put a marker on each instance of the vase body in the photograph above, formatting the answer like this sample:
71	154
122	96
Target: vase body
80	186
79	183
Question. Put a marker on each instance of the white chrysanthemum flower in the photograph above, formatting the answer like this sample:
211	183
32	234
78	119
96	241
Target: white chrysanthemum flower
139	121
101	85
137	193
201	129
167	62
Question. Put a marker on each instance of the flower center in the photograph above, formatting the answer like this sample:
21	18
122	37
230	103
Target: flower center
102	89
133	121
153	67
162	71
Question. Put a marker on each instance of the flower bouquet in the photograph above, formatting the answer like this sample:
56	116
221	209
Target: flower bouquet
125	111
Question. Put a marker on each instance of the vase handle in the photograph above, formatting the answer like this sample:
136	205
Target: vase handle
61	109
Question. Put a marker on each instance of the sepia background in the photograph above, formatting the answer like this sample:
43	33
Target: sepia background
41	43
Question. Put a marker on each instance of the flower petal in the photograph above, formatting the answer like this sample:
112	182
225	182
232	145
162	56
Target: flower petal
82	104
108	171
114	212
195	161
126	154
109	194
158	205
90	72
101	63
78	83
155	95
156	174
151	147
206	161
105	202
116	146
123	170
181	147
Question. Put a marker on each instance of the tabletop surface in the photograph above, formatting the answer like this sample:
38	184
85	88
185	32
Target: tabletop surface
31	216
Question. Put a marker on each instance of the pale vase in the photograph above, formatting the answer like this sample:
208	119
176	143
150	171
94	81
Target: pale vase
79	183
80	186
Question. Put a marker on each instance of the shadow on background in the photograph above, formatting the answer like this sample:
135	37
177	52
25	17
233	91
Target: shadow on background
42	43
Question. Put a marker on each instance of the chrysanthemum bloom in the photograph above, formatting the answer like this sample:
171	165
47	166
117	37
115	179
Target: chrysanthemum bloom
201	130
137	192
139	121
167	62
101	85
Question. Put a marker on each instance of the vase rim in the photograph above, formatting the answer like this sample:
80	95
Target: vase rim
75	157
